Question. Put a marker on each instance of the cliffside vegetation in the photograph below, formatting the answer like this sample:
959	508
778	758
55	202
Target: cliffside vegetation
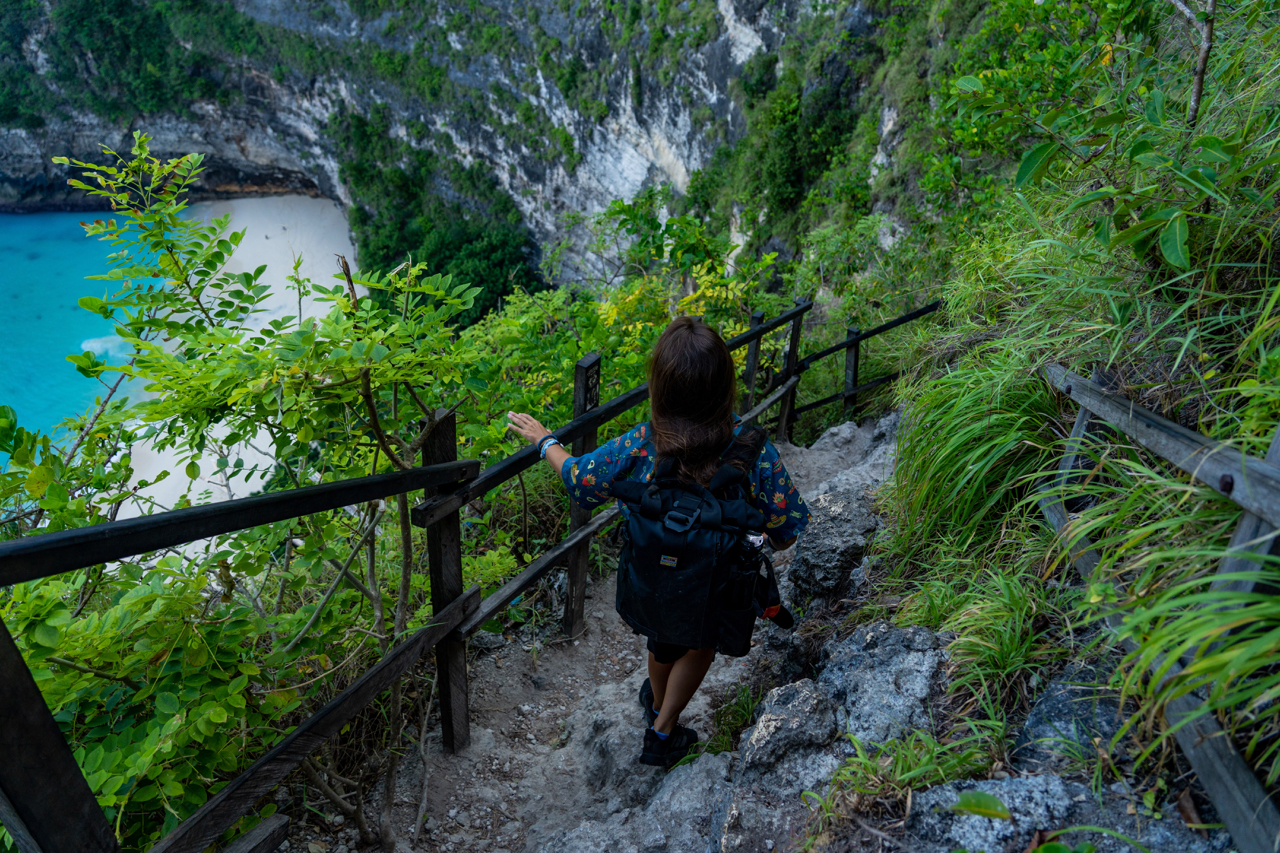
1097	211
1043	167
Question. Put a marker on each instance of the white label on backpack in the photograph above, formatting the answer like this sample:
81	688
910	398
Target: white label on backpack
667	561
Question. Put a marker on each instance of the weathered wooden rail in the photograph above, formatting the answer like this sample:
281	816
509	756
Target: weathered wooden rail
45	802
1254	485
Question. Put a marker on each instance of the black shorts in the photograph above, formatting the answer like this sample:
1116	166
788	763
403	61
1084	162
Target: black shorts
666	653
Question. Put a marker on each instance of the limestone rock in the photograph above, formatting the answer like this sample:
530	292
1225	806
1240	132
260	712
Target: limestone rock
881	679
830	551
681	816
847	457
796	718
1035	802
1047	802
1065	719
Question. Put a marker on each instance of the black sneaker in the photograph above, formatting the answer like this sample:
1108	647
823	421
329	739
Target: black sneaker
665	753
646	702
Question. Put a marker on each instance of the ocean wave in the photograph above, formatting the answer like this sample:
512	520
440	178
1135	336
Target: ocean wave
107	345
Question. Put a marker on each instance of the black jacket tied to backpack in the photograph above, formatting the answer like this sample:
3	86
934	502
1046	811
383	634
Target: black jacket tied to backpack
688	575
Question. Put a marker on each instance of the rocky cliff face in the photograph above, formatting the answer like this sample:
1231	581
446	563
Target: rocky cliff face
272	138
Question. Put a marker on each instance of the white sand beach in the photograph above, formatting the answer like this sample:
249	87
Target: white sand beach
278	230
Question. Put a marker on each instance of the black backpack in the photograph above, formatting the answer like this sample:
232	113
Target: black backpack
688	575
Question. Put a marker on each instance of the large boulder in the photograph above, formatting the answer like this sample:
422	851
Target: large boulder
846	457
881	679
874	448
830	551
797	721
685	811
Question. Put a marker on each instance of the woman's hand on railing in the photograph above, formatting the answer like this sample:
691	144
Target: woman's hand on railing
528	428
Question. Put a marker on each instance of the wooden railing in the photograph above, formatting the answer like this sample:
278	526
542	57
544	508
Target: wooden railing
1254	485
45	802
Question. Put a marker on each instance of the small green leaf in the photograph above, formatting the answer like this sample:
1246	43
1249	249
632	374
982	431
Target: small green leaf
1090	198
969	84
218	715
94	304
193	470
1108	120
1212	150
1140	147
58	618
38	480
93	760
981	804
55	497
198	656
1173	241
46	635
1153	159
1155	108
167	703
476	384
1035	162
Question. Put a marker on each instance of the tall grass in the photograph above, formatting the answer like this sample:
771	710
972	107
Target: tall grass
969	439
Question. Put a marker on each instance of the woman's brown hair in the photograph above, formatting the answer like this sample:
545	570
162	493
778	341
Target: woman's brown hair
692	388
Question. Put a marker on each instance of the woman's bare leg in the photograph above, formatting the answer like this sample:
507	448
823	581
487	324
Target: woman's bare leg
674	685
659	673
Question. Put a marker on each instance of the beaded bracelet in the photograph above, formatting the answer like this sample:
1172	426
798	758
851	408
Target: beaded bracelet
545	444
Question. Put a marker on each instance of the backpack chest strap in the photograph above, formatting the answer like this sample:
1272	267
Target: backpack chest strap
682	516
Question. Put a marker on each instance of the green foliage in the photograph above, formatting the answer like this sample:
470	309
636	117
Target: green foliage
1140	242
734	715
800	123
478	239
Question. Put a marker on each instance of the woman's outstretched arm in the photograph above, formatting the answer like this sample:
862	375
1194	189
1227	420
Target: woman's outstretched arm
527	427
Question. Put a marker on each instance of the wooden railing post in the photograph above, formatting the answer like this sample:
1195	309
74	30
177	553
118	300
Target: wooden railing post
45	802
586	396
748	395
444	557
783	432
851	353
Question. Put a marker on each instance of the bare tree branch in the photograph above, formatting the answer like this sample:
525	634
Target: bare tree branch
88	670
333	587
1202	63
370	405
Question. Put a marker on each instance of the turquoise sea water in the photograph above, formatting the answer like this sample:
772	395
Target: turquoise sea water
44	258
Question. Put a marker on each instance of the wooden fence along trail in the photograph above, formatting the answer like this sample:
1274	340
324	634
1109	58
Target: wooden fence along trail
47	806
1254	484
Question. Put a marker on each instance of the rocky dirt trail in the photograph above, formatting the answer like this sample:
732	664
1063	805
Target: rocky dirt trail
557	727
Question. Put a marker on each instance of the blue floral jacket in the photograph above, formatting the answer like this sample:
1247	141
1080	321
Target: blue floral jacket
631	457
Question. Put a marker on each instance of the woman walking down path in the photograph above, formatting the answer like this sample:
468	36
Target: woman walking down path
693	432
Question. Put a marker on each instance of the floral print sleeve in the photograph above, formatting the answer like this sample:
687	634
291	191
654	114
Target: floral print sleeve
777	497
589	476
